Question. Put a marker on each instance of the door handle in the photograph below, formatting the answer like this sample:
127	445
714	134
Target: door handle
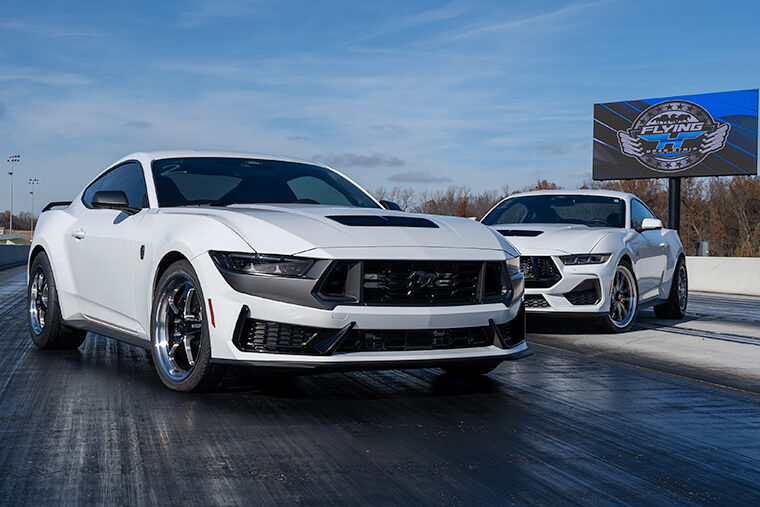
80	234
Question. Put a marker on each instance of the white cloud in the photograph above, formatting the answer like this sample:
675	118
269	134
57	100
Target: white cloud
418	177
549	20
203	12
41	76
352	160
45	28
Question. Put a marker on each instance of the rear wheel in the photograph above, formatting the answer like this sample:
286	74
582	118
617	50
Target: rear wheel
46	325
471	369
181	348
675	306
624	300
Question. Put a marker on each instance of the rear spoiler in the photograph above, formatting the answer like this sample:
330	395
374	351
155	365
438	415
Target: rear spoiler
55	205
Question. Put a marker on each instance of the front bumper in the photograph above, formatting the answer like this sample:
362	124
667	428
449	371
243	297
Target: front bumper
366	361
230	306
563	297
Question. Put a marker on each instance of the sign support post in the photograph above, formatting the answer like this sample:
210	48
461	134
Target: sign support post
674	204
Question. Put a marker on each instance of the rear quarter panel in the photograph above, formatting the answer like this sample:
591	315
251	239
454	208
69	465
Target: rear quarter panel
50	235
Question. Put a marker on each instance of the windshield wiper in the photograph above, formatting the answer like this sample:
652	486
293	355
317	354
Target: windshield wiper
220	204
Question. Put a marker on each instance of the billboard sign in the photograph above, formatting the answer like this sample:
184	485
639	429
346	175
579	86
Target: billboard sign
712	134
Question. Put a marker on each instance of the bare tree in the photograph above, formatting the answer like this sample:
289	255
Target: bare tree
403	196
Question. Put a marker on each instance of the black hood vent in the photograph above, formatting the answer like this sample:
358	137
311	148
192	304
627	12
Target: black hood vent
383	221
520	232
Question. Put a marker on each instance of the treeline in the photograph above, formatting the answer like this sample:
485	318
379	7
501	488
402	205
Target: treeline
21	222
723	211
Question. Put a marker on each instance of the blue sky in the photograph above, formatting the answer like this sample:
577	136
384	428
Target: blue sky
423	94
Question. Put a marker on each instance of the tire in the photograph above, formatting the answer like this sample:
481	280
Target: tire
678	299
46	326
181	346
624	300
471	369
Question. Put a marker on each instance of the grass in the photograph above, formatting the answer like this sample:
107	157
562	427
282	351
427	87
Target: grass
20	241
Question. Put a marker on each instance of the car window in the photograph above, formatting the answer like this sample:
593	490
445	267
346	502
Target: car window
309	189
197	187
203	180
128	178
589	210
638	213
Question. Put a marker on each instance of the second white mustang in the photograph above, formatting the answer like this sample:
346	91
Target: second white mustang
594	253
215	258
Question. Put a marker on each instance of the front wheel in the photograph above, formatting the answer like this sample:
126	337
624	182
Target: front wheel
624	300
675	306
181	348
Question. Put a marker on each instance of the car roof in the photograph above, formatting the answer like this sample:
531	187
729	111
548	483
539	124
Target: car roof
164	154
580	191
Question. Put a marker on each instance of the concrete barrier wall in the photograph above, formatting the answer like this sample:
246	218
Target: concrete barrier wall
728	275
13	255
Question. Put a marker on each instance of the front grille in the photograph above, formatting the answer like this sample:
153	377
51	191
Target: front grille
535	301
420	339
420	282
540	272
588	292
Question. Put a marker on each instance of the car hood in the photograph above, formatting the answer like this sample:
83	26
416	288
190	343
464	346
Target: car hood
295	229
554	239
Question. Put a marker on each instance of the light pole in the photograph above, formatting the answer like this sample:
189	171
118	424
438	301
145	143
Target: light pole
33	182
12	159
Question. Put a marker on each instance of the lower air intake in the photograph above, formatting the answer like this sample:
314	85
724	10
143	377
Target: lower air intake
588	292
535	301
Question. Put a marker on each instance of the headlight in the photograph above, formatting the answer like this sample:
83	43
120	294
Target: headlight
262	264
574	260
513	266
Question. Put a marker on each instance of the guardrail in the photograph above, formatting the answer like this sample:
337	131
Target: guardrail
13	255
727	275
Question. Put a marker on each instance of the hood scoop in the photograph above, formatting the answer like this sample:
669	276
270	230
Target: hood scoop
382	221
521	232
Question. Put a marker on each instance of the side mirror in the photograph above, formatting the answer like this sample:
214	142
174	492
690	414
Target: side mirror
112	199
390	205
651	224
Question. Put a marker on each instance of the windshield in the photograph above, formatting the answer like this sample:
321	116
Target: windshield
205	180
590	210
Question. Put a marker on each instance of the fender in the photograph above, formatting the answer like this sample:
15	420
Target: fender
189	237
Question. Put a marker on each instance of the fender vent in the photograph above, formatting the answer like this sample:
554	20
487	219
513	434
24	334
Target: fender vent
383	221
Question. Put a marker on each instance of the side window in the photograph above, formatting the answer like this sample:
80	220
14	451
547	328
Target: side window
128	178
638	213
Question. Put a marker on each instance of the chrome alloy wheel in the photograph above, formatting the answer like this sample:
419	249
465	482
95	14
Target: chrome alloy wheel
623	297
38	301
177	327
683	288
